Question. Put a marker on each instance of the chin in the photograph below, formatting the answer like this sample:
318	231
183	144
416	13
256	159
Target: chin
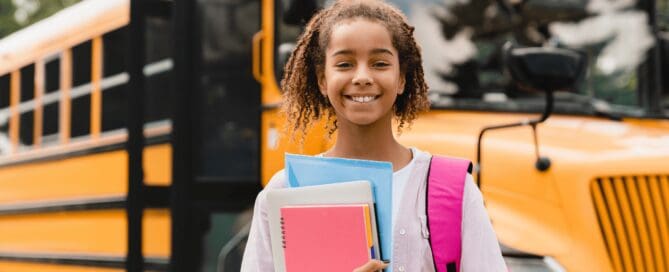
366	118
363	121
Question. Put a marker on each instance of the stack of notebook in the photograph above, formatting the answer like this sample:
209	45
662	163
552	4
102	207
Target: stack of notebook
327	219
305	171
323	228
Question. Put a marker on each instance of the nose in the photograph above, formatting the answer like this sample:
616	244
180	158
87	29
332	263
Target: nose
362	77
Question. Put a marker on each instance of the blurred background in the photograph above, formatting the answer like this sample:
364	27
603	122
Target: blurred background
19	14
135	134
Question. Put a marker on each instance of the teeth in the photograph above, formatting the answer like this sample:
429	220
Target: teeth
362	99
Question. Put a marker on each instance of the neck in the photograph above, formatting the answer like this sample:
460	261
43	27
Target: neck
371	142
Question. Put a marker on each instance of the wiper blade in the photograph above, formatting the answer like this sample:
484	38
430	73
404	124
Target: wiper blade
603	109
599	107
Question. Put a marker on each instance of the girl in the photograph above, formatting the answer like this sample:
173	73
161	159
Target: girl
358	64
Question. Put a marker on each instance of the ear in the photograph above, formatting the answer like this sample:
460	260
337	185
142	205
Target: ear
403	81
320	76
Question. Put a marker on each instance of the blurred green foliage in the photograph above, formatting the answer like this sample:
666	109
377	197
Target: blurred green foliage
17	14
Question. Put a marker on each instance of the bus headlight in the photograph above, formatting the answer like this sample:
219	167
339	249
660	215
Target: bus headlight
533	264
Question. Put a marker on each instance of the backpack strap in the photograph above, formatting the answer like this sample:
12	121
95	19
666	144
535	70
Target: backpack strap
445	190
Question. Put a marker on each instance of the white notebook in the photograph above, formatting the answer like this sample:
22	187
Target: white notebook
354	192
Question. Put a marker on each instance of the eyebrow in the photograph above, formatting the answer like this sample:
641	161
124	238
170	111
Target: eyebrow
374	52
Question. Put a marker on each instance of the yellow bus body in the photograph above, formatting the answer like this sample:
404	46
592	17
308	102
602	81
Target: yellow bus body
65	171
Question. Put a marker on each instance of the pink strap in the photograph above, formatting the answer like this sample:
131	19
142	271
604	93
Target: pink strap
445	189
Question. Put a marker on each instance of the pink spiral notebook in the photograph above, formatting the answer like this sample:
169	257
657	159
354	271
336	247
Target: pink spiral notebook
326	237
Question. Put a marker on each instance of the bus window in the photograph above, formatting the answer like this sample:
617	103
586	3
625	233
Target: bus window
4	115
662	14
51	104
227	141
81	97
52	80
27	83
81	119
462	41
158	67
114	106
114	49
81	64
27	115
26	129
287	31
4	92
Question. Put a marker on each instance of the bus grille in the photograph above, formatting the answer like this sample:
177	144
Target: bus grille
633	213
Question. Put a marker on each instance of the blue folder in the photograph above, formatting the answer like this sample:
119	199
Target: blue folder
308	170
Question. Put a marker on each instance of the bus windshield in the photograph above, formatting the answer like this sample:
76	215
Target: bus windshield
462	41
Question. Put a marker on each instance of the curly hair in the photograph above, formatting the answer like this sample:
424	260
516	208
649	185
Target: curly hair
304	104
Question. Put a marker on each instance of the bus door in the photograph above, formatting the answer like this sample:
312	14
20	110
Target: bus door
215	128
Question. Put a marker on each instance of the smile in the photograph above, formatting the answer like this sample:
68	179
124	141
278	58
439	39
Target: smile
362	99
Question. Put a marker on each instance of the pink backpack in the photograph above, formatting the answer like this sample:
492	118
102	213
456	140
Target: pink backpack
445	189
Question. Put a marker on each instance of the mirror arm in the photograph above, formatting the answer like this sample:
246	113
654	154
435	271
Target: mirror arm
547	110
542	163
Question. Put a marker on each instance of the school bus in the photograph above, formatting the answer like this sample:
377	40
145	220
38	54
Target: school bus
134	135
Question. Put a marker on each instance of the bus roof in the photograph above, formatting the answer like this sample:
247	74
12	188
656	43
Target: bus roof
65	29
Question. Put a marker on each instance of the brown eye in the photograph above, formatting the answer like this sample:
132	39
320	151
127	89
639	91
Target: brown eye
381	64
343	65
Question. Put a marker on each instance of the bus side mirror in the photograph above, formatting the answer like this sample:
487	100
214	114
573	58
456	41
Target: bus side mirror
544	69
298	12
537	68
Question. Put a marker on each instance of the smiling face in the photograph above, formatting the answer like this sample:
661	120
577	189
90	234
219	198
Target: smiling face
361	76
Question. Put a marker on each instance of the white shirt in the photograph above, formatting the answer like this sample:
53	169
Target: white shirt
400	179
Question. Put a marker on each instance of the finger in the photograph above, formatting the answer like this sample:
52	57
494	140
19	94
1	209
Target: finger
372	265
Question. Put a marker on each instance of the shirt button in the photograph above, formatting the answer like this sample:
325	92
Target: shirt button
401	268
403	231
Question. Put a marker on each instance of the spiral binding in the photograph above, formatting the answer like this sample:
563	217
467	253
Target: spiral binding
283	233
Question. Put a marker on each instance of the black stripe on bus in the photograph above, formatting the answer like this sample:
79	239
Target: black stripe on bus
156	197
108	261
98	203
89	151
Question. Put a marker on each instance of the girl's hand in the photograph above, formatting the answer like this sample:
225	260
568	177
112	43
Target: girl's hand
371	266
